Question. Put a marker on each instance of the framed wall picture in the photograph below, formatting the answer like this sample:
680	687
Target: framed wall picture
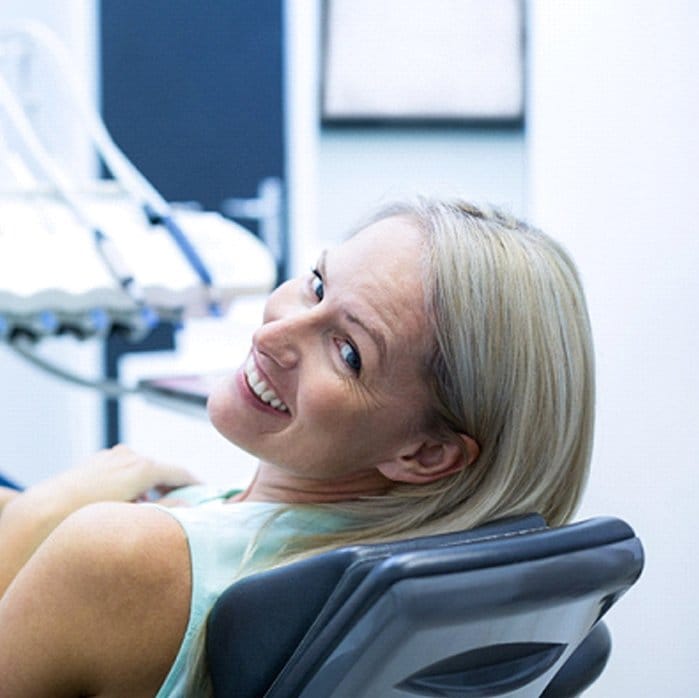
417	61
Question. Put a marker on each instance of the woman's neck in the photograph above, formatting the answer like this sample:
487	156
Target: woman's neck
273	484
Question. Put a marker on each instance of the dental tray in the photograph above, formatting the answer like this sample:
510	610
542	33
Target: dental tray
181	390
53	280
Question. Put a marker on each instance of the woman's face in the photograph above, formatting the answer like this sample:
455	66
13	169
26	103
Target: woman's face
334	384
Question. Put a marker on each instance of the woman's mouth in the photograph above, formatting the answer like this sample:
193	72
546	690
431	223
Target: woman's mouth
259	386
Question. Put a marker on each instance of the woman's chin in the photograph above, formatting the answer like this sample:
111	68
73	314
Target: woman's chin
231	416
220	405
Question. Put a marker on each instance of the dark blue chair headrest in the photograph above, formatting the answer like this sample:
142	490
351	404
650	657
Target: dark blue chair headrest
270	633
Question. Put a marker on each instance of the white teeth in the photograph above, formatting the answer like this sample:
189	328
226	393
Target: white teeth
260	387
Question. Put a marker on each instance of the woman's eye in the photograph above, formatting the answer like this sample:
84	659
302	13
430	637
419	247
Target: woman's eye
317	285
350	356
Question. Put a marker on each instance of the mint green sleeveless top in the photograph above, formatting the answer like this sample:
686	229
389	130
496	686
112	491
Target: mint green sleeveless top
228	540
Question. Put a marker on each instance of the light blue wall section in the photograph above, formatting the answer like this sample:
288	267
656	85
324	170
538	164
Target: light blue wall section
360	168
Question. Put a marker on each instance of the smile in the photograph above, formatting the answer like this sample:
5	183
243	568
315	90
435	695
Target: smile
260	387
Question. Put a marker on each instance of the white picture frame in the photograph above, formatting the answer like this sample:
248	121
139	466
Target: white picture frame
423	61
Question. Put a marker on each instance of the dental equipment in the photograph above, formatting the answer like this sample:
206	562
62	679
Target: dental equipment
153	205
41	295
45	163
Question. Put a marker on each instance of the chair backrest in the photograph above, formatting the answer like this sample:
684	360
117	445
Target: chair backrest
492	611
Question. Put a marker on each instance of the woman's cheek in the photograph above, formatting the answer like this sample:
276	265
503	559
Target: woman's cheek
322	401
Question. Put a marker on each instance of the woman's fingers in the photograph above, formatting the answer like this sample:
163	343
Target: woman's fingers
120	473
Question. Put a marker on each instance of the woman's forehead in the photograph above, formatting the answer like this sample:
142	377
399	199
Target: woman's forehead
394	230
380	273
387	253
391	245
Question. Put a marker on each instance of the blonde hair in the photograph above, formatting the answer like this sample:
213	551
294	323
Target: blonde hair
512	366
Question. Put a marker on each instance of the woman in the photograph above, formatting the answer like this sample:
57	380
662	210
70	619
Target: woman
431	373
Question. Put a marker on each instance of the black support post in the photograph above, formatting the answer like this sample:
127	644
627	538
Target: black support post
162	338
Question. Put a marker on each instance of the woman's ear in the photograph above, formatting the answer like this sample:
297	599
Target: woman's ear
432	460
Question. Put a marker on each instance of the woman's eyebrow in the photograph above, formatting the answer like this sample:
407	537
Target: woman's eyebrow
375	335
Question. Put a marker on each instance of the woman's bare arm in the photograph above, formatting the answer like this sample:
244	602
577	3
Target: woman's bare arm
117	474
100	609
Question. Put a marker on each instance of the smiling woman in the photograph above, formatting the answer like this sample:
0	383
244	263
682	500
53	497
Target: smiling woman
431	373
344	350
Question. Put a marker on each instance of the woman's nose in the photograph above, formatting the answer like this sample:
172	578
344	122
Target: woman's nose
278	340
288	326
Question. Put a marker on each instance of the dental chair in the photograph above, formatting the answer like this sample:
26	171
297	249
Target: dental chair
512	608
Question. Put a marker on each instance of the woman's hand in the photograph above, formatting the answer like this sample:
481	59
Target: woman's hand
113	475
116	474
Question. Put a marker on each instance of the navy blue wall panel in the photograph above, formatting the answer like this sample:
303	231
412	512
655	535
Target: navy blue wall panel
193	93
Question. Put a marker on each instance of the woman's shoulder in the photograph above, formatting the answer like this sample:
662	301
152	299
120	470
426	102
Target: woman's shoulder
122	532
131	562
109	542
108	593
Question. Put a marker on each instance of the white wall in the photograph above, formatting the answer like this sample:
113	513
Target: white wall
301	60
46	425
613	153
